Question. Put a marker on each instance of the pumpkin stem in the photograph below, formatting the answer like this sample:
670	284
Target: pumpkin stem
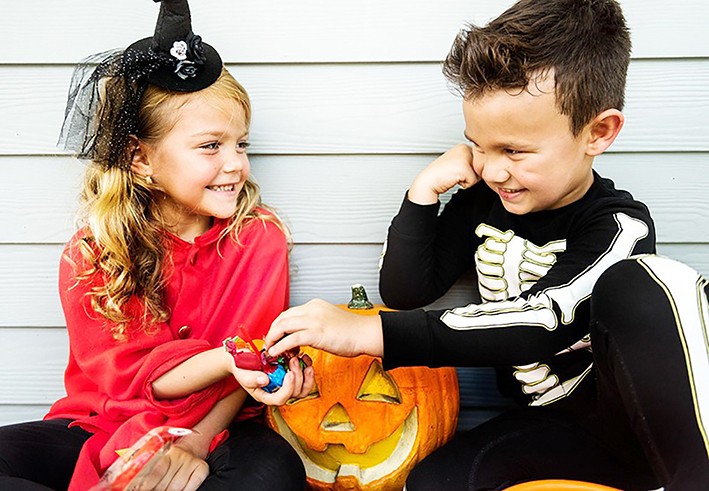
359	299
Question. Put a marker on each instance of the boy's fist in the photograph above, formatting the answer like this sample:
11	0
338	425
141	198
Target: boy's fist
453	167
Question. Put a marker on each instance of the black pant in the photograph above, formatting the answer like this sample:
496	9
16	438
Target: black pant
40	456
641	428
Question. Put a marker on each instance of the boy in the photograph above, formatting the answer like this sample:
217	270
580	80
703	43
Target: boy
543	87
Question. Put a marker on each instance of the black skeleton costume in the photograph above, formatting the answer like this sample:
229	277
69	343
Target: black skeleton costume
535	274
537	323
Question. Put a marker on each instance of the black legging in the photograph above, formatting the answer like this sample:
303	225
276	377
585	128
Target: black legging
40	456
639	431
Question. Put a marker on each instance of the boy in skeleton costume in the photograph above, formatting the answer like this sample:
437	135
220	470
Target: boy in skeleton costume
602	343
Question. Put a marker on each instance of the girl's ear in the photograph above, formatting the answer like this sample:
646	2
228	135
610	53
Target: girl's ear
139	163
603	131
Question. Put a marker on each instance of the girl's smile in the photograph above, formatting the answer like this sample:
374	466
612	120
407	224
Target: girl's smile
221	188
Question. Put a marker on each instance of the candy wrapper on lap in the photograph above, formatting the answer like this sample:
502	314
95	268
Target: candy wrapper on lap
135	462
250	355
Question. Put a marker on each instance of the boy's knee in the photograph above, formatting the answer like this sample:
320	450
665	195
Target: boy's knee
618	286
621	298
636	282
634	292
617	279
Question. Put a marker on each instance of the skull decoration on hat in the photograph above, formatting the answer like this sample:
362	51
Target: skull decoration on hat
106	88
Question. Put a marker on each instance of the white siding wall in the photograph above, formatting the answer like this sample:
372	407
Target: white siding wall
349	104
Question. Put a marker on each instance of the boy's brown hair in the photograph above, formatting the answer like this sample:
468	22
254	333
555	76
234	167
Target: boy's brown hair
585	44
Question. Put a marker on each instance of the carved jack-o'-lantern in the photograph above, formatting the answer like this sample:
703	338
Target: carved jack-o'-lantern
363	428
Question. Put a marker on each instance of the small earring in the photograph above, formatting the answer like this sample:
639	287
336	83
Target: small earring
149	180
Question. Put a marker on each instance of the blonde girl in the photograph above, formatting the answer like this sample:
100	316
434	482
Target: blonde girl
176	254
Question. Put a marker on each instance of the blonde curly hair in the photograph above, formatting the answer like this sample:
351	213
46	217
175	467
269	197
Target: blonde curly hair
124	241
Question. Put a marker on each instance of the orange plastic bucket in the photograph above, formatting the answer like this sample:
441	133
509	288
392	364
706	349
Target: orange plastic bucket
559	485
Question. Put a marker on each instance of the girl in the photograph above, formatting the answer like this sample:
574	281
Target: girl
177	254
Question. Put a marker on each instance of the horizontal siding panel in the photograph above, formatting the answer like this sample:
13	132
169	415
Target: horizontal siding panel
29	298
28	279
10	414
470	418
345	109
39	199
349	199
32	365
28	286
34	361
19	413
478	388
253	31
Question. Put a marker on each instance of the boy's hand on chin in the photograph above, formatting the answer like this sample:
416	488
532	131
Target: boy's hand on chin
455	167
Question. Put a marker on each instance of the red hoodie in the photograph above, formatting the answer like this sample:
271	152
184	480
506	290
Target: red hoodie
215	288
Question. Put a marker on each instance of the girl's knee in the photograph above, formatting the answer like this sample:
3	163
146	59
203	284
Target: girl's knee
282	472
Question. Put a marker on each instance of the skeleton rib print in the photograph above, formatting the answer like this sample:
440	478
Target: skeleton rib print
509	265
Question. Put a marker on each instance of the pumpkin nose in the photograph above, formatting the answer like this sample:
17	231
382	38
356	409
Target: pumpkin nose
337	419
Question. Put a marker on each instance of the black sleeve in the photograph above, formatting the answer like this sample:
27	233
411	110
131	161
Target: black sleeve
425	253
545	319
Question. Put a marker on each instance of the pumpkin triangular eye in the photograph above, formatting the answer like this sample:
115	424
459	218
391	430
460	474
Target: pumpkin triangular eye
313	394
378	386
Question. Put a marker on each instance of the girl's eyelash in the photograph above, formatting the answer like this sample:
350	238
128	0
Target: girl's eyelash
214	145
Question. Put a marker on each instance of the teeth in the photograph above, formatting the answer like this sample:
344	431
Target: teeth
229	187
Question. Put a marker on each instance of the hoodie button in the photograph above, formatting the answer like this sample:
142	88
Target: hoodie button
184	332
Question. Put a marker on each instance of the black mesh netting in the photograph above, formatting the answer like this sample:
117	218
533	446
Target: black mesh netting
102	106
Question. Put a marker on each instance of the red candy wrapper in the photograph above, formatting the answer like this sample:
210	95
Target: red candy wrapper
250	355
135	462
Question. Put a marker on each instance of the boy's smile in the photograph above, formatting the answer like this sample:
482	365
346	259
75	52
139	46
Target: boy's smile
524	150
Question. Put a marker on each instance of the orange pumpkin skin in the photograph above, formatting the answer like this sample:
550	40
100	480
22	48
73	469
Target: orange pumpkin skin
365	429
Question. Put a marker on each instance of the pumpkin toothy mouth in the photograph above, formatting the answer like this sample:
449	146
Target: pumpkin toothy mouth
335	462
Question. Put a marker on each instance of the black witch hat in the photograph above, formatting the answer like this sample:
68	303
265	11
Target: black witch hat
106	88
193	64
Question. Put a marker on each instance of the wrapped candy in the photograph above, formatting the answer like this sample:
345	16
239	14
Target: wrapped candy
250	355
135	462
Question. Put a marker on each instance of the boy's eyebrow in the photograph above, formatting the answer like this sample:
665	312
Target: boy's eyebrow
499	144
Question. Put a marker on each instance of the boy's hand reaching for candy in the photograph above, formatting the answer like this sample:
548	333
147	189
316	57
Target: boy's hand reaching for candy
322	325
